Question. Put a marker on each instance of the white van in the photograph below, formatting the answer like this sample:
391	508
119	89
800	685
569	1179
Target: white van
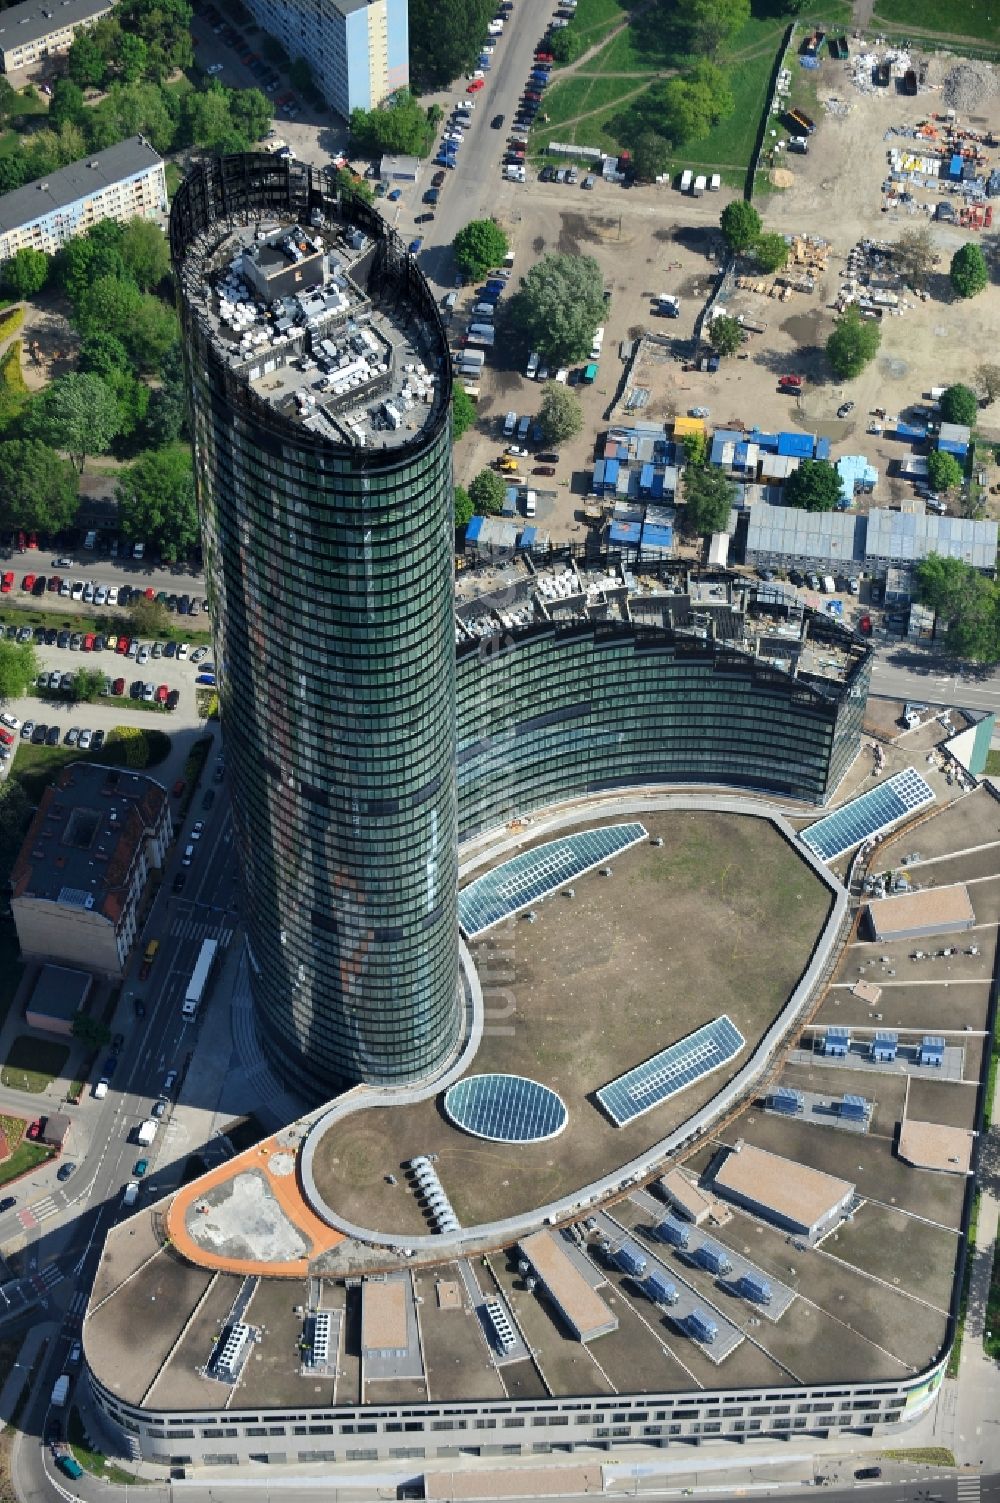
188	856
450	301
131	1193
687	177
530	498
484	311
101	1089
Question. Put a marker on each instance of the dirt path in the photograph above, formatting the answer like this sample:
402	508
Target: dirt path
915	31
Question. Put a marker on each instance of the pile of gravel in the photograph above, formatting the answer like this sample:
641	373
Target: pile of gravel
968	84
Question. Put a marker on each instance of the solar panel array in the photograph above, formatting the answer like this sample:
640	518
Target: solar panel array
904	793
672	1070
532	875
505	1108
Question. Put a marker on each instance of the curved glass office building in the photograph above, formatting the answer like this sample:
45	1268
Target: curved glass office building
320	392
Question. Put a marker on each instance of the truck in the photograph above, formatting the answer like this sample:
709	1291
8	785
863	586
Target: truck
130	1194
790	383
60	1390
199	980
700	183
145	1132
829	584
668	305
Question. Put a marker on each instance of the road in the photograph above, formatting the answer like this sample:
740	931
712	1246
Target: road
64	1225
915	672
176	579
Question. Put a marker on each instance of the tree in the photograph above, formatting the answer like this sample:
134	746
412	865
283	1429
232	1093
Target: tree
156	501
689	106
38	490
967	605
208	120
560	415
18	669
398	125
66	104
109	305
155	331
132	58
146	254
487	492
916	256
650	156
567	45
251	113
90	1030
725	334
444	39
463	412
740	224
85	63
959	405
167	414
104	354
853	343
76	413
944	471
814	486
480	245
709	498
770	251
695	446
87	684
988	381
710	23
969	272
149	618
464	509
559	305
9	102
26	272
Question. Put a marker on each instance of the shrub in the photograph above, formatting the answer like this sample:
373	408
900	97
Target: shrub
10	322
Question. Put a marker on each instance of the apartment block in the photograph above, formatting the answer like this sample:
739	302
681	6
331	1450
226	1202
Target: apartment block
38	28
124	182
79	880
358	50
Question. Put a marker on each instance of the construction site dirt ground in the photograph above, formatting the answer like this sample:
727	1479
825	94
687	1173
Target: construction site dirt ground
655	240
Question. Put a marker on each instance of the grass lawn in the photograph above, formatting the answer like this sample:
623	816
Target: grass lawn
32	1064
966	18
115	622
24	1158
174	177
992	763
92	1461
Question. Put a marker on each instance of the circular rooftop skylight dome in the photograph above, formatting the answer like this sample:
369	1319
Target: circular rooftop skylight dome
505	1109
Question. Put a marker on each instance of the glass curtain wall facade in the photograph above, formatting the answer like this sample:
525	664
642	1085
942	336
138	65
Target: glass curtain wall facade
329	571
552	713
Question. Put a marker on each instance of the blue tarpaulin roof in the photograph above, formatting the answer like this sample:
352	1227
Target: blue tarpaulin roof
656	489
740	455
947	446
646	477
473	529
624	532
822	448
796	445
527	538
910	430
610	472
599	475
855	474
955	169
767	441
657	537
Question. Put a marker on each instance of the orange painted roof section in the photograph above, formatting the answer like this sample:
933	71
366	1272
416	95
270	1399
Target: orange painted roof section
286	1191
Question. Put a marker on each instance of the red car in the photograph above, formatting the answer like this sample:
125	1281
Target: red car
122	646
178	788
32	539
6	736
7	583
161	694
34	1129
55	581
28	582
118	687
544	57
150	594
476	85
543	469
88	642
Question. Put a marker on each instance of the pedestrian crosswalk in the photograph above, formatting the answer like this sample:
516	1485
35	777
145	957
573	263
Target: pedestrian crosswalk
48	1278
43	1209
79	1303
969	1488
193	927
